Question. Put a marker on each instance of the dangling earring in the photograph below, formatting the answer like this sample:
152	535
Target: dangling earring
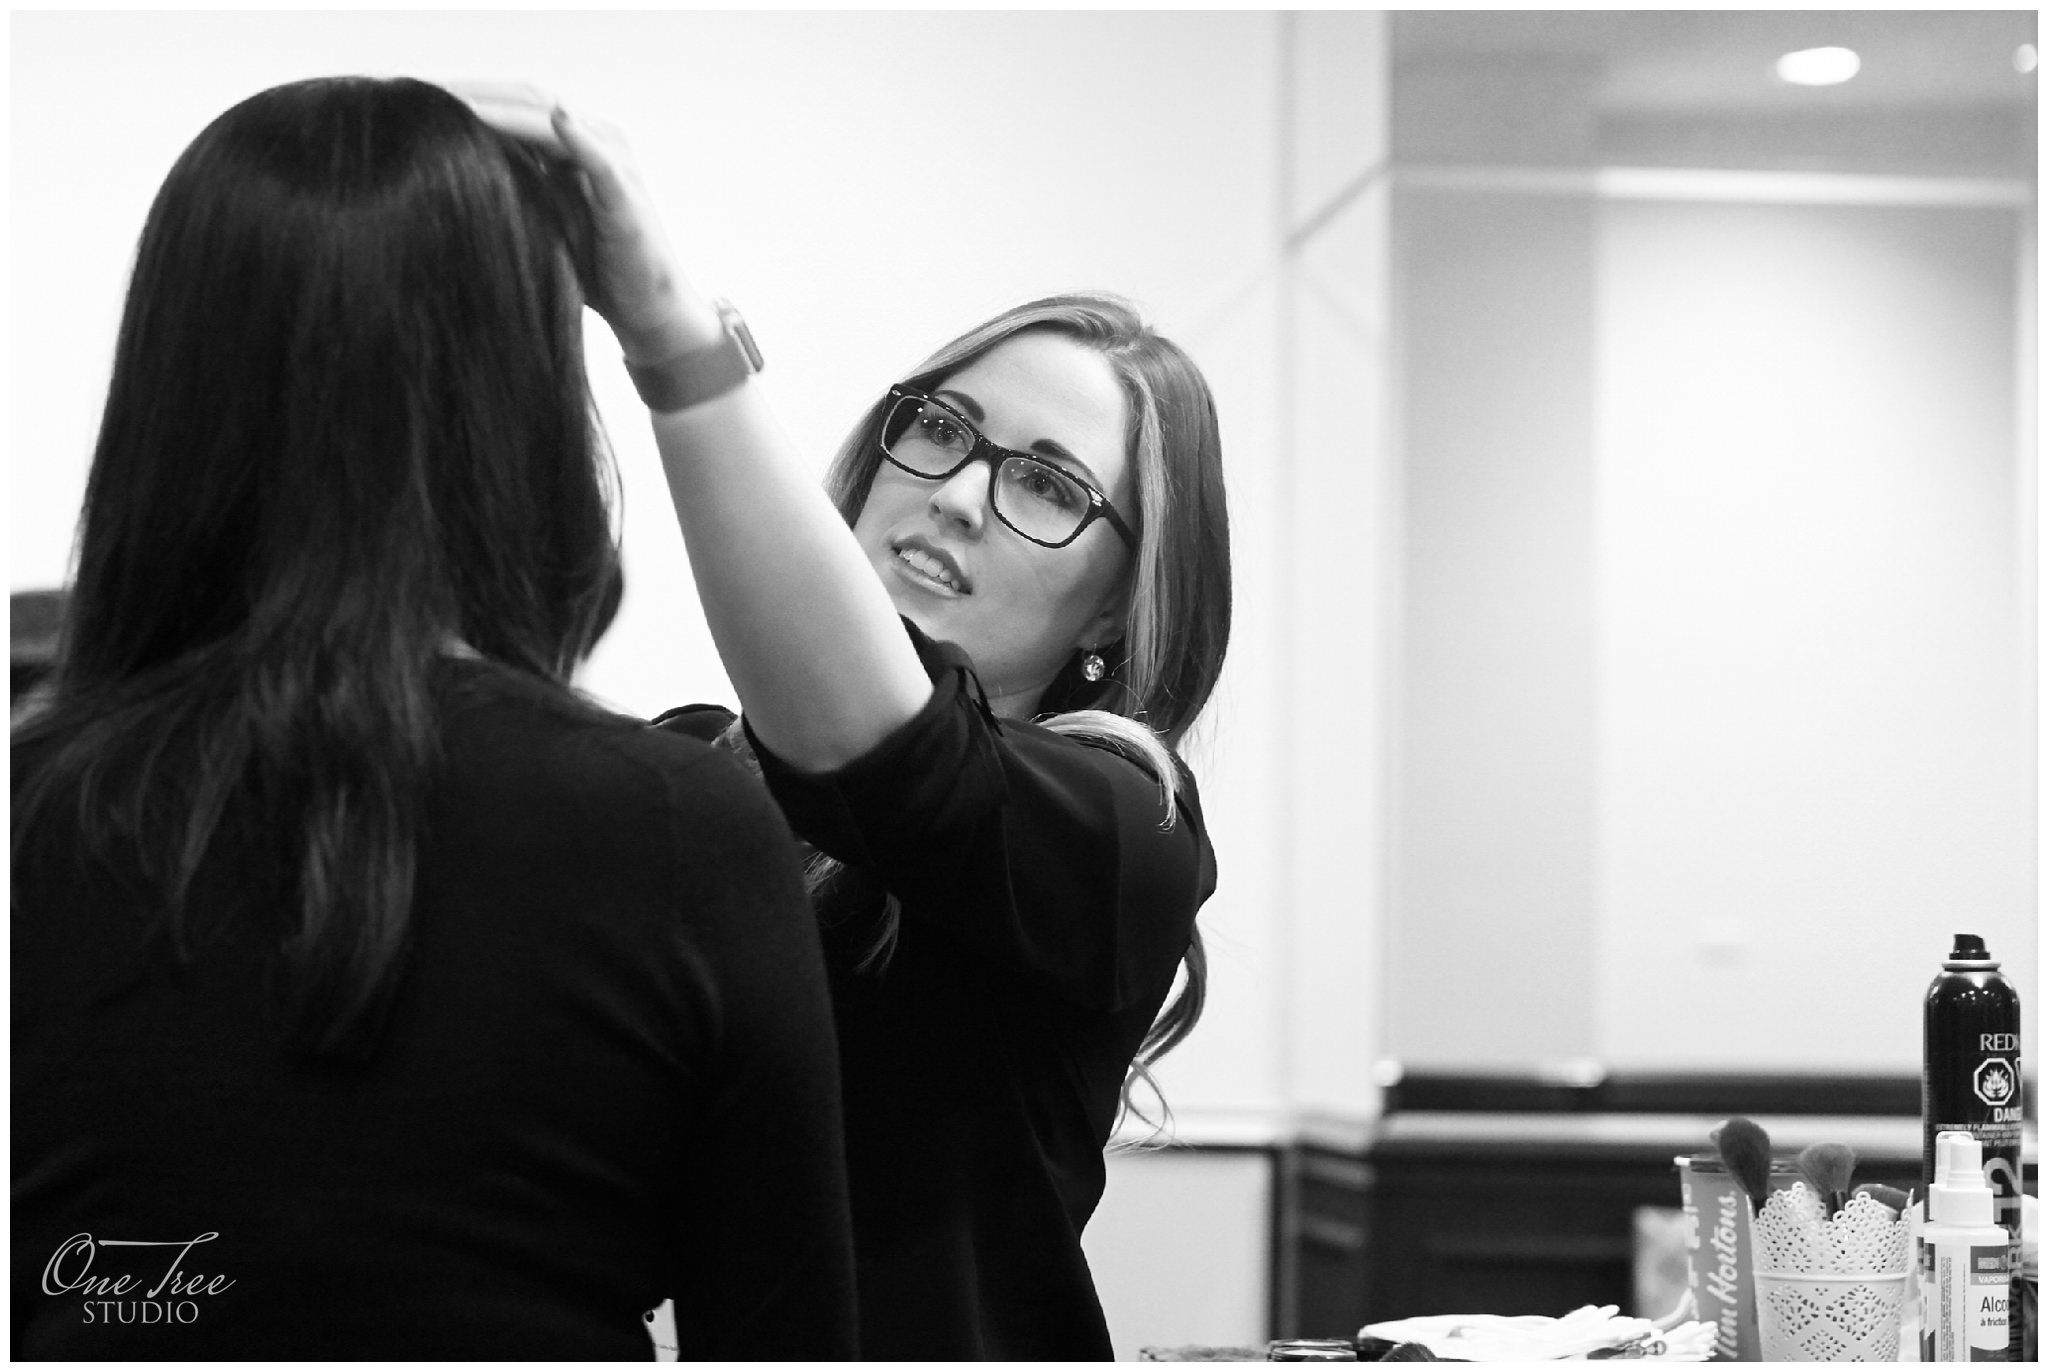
1092	666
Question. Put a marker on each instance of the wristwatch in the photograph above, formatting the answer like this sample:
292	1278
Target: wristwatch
702	374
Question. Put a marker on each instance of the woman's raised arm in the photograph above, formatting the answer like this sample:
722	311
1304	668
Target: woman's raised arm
807	633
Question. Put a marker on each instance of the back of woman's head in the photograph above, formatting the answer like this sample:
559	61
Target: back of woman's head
348	389
348	425
1178	620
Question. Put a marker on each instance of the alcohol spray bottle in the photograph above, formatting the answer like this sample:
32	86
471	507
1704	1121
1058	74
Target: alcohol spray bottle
1970	1080
1965	1272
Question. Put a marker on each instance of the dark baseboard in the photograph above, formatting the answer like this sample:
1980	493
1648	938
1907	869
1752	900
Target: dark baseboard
1674	1093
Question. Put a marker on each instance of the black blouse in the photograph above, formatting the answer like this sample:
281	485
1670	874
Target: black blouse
1045	908
608	1079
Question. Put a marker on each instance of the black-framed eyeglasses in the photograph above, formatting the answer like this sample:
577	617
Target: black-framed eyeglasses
1041	500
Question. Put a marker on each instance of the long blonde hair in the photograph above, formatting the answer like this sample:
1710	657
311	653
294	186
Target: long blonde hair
1163	670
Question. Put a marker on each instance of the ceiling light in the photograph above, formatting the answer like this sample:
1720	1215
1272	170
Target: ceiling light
2025	58
1818	66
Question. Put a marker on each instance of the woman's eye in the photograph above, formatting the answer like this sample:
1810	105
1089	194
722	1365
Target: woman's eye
945	433
1043	483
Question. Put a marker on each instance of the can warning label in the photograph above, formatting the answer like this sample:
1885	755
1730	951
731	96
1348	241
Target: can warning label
1994	1081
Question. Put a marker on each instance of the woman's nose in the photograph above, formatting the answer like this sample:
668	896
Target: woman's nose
962	498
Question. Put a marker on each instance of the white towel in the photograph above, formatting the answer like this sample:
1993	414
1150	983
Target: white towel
1538	1338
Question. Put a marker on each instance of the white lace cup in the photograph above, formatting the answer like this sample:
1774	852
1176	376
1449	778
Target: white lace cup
1828	1289
1829	1319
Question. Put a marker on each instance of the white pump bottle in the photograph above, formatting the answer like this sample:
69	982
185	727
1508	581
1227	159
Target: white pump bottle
1965	1287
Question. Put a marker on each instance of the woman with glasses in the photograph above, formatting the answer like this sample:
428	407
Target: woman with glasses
377	996
963	672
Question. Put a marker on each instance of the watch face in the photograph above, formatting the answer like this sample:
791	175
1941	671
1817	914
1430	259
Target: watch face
736	329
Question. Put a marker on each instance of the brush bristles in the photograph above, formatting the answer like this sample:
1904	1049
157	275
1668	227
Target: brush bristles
1746	1151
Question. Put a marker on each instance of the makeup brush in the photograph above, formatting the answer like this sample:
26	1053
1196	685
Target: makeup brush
1827	1168
1746	1152
1886	1195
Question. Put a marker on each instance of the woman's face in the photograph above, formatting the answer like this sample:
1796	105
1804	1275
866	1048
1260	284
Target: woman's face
961	574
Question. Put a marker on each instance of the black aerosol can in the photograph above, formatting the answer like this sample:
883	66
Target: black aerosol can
1970	1079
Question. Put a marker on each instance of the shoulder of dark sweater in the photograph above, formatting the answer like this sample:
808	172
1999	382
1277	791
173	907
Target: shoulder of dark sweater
486	701
536	772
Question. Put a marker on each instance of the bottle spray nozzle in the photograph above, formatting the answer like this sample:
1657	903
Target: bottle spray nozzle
1959	1194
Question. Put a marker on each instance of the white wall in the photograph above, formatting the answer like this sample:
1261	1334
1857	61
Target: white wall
1713	714
1180	1248
1816	705
1716	696
1335	441
1493	810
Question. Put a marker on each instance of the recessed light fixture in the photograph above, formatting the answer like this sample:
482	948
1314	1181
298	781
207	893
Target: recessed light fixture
1818	66
2025	58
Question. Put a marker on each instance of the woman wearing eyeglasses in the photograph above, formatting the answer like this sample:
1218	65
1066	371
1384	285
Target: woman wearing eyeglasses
962	675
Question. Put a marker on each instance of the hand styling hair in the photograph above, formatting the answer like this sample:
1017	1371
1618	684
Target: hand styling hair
348	428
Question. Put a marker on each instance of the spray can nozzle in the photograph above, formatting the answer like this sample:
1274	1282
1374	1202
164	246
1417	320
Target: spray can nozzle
1970	948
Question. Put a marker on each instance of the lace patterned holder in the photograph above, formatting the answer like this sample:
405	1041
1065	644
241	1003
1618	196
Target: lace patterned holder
1828	1289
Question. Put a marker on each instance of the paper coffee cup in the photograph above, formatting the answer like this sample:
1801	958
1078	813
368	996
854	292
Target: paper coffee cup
1717	1250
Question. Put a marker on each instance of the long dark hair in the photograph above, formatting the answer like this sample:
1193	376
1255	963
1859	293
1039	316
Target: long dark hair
348	429
1178	622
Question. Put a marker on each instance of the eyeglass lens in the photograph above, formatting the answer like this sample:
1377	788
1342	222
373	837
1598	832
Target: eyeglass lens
1035	498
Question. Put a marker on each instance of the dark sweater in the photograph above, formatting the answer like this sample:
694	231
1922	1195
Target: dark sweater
1044	914
609	1079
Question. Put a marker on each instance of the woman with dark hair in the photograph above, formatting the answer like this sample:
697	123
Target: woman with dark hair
444	1014
963	675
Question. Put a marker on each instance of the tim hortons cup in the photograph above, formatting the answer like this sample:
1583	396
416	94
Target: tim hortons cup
1717	1250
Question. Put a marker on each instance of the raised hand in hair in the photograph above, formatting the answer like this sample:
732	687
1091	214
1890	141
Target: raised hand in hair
639	289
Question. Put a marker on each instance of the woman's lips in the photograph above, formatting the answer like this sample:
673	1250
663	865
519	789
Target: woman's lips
928	566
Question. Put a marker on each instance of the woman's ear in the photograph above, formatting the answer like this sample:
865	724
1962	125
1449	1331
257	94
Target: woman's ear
1103	630
1106	626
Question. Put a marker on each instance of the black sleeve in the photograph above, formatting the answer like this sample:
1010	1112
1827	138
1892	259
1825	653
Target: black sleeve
701	722
774	1254
1041	851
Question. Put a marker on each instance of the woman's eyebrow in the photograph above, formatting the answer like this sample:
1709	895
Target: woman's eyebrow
965	402
1044	446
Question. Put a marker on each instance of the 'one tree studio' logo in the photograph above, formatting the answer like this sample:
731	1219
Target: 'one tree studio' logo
115	1299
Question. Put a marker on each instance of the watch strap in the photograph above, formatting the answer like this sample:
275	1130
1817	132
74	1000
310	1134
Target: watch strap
702	374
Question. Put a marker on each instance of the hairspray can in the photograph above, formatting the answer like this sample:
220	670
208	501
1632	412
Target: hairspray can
1970	1080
